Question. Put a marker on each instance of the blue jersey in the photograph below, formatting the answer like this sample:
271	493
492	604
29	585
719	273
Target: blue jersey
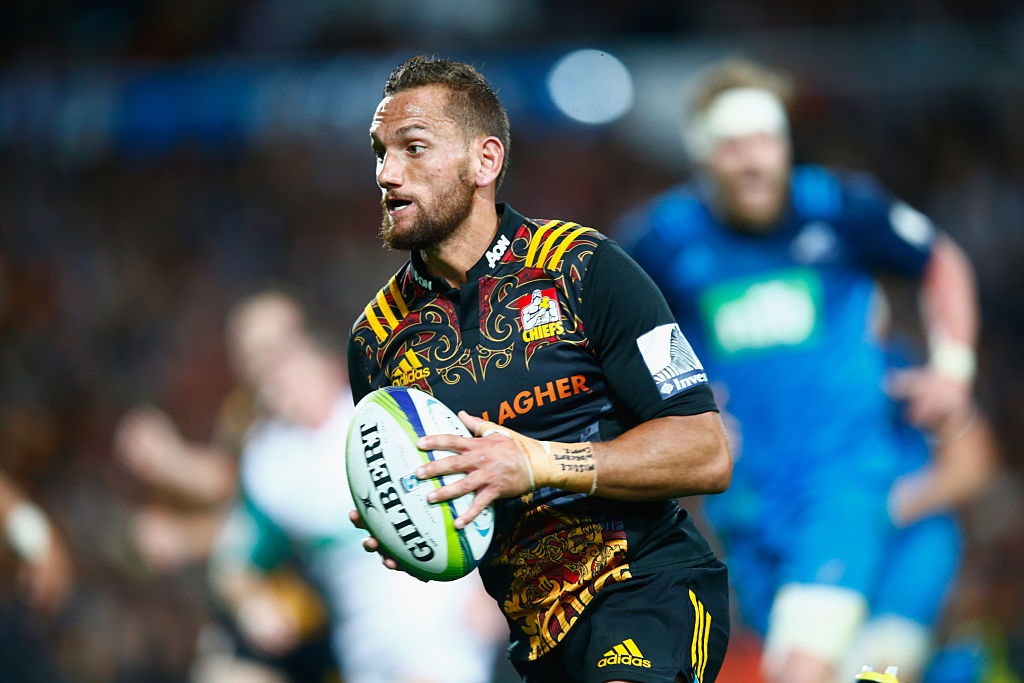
785	321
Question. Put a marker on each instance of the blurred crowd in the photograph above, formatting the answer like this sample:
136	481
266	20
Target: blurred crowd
169	30
116	276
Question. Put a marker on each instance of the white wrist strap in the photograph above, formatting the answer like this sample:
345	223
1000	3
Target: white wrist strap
954	360
28	531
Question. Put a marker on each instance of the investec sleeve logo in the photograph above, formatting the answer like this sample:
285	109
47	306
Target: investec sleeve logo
673	365
409	370
540	315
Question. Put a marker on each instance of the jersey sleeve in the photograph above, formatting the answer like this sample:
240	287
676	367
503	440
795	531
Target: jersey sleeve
646	359
358	377
885	233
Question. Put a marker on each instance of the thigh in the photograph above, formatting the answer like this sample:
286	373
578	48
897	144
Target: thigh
919	570
842	541
649	629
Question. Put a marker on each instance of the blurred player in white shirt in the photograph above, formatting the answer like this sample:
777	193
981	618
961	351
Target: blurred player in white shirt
294	502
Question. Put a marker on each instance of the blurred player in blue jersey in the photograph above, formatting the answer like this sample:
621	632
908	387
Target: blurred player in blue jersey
838	525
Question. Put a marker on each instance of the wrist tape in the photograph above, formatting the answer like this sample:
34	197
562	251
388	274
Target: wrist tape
568	466
954	360
28	531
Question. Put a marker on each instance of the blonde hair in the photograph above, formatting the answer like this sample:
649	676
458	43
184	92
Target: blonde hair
737	72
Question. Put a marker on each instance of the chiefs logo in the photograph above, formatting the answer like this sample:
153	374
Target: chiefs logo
540	315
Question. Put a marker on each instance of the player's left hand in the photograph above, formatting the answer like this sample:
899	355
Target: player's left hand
935	401
371	544
493	461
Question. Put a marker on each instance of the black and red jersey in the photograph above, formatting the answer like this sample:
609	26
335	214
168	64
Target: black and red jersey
559	335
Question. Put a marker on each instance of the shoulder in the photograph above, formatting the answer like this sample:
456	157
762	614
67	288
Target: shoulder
269	440
554	244
667	224
829	192
266	433
667	220
387	308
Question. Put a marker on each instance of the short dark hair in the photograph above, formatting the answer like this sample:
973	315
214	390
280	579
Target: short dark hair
472	103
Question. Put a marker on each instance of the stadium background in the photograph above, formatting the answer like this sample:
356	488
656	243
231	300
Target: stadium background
157	158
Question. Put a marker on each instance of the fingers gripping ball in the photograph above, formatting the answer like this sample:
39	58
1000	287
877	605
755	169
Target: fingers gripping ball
568	466
380	459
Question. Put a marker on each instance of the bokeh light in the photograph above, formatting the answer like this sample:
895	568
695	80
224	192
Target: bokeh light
591	86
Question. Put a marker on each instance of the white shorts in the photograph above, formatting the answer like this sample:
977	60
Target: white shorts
393	627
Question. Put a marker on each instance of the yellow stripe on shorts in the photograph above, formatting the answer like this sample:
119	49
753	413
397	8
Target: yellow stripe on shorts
701	636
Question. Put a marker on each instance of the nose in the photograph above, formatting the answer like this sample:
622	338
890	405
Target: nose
388	172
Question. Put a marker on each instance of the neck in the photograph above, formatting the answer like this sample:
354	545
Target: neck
456	254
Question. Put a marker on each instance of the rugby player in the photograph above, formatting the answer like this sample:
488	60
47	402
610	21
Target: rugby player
591	412
838	532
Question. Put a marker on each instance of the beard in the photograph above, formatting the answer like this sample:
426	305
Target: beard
760	212
433	224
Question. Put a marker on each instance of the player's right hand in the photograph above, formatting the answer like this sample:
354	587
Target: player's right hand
934	401
267	625
148	442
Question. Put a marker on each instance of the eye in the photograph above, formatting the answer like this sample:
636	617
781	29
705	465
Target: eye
416	148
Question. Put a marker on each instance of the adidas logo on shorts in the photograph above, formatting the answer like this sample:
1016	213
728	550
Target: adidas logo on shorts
626	653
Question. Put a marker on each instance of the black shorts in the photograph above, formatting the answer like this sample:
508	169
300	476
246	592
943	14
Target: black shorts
650	629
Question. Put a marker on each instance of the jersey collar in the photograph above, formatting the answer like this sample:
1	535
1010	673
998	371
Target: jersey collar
509	225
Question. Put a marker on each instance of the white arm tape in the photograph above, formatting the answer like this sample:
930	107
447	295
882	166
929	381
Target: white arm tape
954	360
28	531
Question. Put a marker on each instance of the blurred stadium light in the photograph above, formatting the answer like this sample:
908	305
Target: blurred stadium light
591	86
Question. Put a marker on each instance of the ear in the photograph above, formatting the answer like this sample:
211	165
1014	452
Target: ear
490	155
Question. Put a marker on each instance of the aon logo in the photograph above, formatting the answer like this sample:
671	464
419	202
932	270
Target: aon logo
495	253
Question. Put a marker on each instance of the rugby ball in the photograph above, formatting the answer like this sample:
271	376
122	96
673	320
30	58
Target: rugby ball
381	458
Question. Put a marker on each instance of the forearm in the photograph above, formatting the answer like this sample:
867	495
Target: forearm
204	474
964	465
950	309
668	457
9	495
